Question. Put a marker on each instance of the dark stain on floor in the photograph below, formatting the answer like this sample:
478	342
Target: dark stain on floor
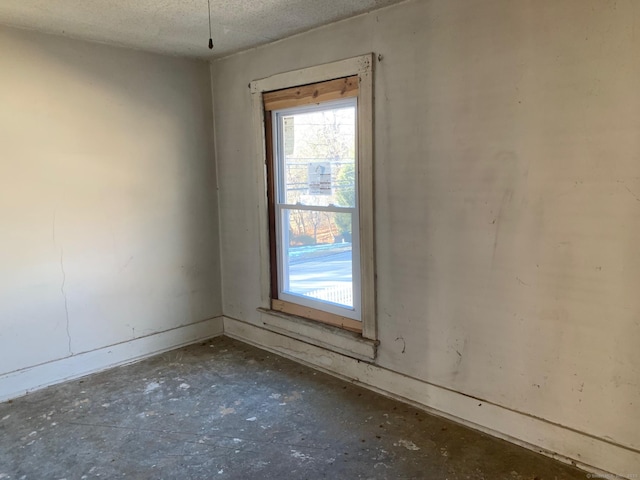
227	410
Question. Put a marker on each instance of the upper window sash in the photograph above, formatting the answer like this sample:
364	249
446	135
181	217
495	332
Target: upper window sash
278	154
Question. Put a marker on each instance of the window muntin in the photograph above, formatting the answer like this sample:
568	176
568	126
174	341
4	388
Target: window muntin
315	203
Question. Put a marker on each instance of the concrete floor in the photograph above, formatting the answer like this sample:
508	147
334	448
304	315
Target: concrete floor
224	410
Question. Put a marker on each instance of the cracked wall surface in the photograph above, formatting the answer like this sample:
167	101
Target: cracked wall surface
108	206
64	296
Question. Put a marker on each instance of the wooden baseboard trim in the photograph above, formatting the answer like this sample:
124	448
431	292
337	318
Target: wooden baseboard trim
594	455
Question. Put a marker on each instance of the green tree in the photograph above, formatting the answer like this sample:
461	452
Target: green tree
346	197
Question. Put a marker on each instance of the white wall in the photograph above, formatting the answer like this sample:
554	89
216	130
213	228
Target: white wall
507	200
108	208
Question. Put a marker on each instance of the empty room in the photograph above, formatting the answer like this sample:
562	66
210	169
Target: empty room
305	239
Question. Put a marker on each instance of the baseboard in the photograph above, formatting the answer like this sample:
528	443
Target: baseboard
596	455
21	382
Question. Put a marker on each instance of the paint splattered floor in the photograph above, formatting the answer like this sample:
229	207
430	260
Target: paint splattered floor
226	410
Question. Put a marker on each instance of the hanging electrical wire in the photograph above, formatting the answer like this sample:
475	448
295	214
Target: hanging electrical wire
210	36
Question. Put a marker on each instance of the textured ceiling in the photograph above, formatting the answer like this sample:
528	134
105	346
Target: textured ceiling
180	27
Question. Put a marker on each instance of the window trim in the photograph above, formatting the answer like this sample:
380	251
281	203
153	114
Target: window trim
362	67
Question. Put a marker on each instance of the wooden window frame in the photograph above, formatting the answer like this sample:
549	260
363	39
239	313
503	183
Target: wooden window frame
290	98
314	85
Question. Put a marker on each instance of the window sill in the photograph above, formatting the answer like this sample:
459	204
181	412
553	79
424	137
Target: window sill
321	335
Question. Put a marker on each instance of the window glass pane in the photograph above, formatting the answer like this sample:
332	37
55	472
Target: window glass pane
317	255
319	149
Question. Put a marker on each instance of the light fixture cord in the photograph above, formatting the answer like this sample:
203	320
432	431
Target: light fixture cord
210	36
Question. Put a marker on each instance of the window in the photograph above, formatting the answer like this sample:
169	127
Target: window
314	204
318	162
